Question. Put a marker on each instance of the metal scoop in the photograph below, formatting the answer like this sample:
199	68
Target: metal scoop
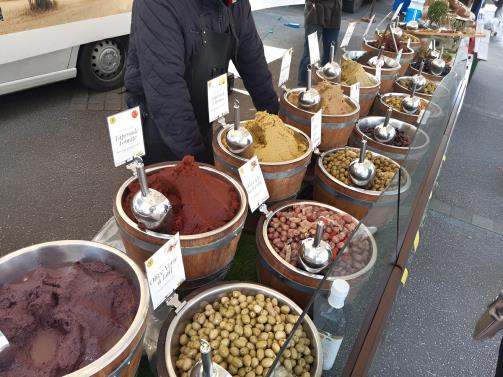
434	53
385	132
238	138
310	98
6	352
206	367
412	25
437	65
150	208
411	103
331	71
362	171
378	60
315	254
419	80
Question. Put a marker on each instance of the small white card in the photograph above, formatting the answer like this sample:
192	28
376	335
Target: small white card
218	98
314	48
399	56
349	33
126	135
369	25
165	271
316	120
284	73
408	43
378	72
354	92
254	183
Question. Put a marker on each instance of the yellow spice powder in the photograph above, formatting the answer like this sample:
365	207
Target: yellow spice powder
272	140
353	72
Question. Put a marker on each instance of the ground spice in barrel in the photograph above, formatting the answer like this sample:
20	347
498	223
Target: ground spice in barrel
401	138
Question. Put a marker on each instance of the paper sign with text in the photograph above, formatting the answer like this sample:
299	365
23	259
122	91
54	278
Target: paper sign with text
354	92
378	72
254	183
314	48
218	98
399	56
349	33
284	73
165	271
126	135
316	120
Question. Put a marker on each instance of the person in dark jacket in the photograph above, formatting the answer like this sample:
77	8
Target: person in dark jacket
324	17
175	47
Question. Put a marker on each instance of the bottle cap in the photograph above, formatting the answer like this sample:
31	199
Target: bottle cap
338	293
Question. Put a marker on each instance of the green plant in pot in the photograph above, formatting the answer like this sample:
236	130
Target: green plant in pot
437	12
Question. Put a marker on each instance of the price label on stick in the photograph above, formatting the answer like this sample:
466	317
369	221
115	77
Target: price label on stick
408	43
369	25
254	183
349	33
218	98
126	135
165	271
316	120
284	73
378	72
354	92
399	56
314	48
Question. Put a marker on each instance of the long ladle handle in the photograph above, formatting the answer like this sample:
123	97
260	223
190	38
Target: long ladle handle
332	52
237	115
414	87
421	67
388	116
206	358
320	228
309	78
142	176
363	151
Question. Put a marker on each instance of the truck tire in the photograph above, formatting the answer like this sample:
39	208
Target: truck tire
101	65
351	6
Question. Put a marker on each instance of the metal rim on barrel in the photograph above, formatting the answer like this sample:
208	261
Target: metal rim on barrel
211	170
34	257
198	302
361	227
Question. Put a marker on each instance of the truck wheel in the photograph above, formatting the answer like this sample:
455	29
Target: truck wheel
101	65
351	6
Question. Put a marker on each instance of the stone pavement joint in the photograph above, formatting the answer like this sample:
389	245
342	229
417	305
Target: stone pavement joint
465	216
114	100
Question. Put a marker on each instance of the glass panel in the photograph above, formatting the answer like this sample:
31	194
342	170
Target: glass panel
366	261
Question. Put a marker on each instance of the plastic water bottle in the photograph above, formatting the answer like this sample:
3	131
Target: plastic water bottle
330	321
415	10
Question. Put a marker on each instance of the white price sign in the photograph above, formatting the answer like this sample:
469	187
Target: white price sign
408	44
314	48
165	271
126	135
316	120
284	73
378	72
254	183
354	92
349	33
218	98
399	56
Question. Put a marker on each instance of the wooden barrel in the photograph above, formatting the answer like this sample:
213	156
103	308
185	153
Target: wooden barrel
380	108
413	71
440	91
388	75
335	129
405	61
357	201
206	256
296	283
122	358
413	154
283	179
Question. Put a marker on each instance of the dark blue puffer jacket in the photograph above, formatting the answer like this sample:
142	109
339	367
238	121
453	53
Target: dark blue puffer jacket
163	37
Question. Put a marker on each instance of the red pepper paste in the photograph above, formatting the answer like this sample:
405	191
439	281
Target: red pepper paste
201	202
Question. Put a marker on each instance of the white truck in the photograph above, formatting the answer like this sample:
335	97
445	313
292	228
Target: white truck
44	41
